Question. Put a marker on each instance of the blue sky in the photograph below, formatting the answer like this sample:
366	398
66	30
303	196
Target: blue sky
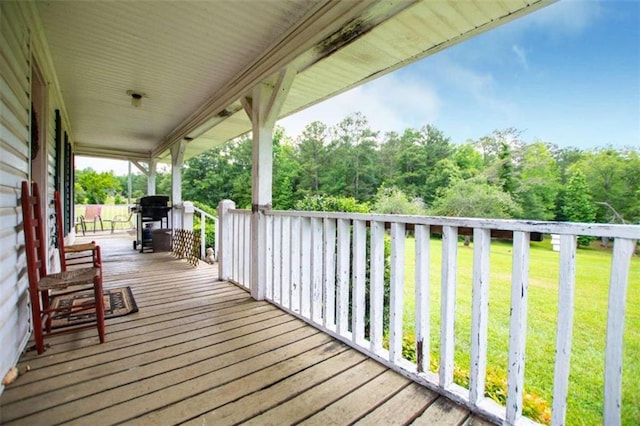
567	74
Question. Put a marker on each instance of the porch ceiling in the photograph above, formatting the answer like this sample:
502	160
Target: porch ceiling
194	60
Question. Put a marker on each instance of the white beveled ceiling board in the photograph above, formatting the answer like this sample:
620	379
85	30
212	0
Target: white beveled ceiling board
418	31
194	60
176	53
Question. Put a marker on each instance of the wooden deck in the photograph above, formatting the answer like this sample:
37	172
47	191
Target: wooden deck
201	351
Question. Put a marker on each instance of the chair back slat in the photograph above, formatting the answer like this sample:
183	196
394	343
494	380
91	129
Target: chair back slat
33	234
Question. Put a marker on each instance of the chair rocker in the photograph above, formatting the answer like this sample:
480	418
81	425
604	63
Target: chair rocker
42	284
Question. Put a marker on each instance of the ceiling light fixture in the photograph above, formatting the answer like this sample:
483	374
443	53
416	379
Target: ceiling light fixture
136	98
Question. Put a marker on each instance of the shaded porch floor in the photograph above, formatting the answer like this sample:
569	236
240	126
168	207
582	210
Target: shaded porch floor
201	351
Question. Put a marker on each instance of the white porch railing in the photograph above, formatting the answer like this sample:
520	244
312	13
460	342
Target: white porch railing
187	211
317	270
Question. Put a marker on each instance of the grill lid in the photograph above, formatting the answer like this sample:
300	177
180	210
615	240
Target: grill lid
153	201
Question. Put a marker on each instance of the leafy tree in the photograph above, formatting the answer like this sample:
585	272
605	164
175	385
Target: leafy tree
577	205
163	183
138	186
312	156
97	186
241	159
352	169
565	158
506	169
388	158
285	175
613	178
468	160
539	183
79	195
418	152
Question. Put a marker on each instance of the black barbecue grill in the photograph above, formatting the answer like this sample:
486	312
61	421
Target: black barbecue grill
152	212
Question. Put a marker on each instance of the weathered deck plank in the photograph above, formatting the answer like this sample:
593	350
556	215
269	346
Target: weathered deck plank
358	403
202	351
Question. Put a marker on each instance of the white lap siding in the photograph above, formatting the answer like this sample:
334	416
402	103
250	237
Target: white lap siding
15	70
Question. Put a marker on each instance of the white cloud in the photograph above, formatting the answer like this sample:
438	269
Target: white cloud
391	103
521	55
567	17
478	86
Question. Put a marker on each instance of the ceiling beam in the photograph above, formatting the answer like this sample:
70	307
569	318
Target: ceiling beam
111	153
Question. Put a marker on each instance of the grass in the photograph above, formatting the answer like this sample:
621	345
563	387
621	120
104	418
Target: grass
586	389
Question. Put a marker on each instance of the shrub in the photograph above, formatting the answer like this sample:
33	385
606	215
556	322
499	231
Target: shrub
323	203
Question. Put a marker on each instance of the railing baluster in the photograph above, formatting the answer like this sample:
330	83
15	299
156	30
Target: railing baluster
448	304
294	295
269	257
376	281
422	262
317	267
236	248
566	286
240	249
305	267
277	258
216	241
359	279
329	273
622	252
518	327
342	305
285	269
479	314
397	291
246	279
203	242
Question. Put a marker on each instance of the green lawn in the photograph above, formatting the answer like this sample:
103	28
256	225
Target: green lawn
587	363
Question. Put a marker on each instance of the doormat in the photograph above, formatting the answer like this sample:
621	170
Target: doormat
117	302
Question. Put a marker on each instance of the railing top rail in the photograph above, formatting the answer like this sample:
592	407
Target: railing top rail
204	213
240	211
568	228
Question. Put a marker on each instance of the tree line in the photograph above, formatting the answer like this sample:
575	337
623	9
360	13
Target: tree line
420	171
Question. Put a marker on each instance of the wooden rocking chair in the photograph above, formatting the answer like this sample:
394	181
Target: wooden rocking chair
42	284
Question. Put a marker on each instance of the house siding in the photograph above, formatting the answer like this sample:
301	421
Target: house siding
14	167
22	44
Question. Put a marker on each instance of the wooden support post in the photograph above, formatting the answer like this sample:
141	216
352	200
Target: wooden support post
263	106
151	178
150	172
177	158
